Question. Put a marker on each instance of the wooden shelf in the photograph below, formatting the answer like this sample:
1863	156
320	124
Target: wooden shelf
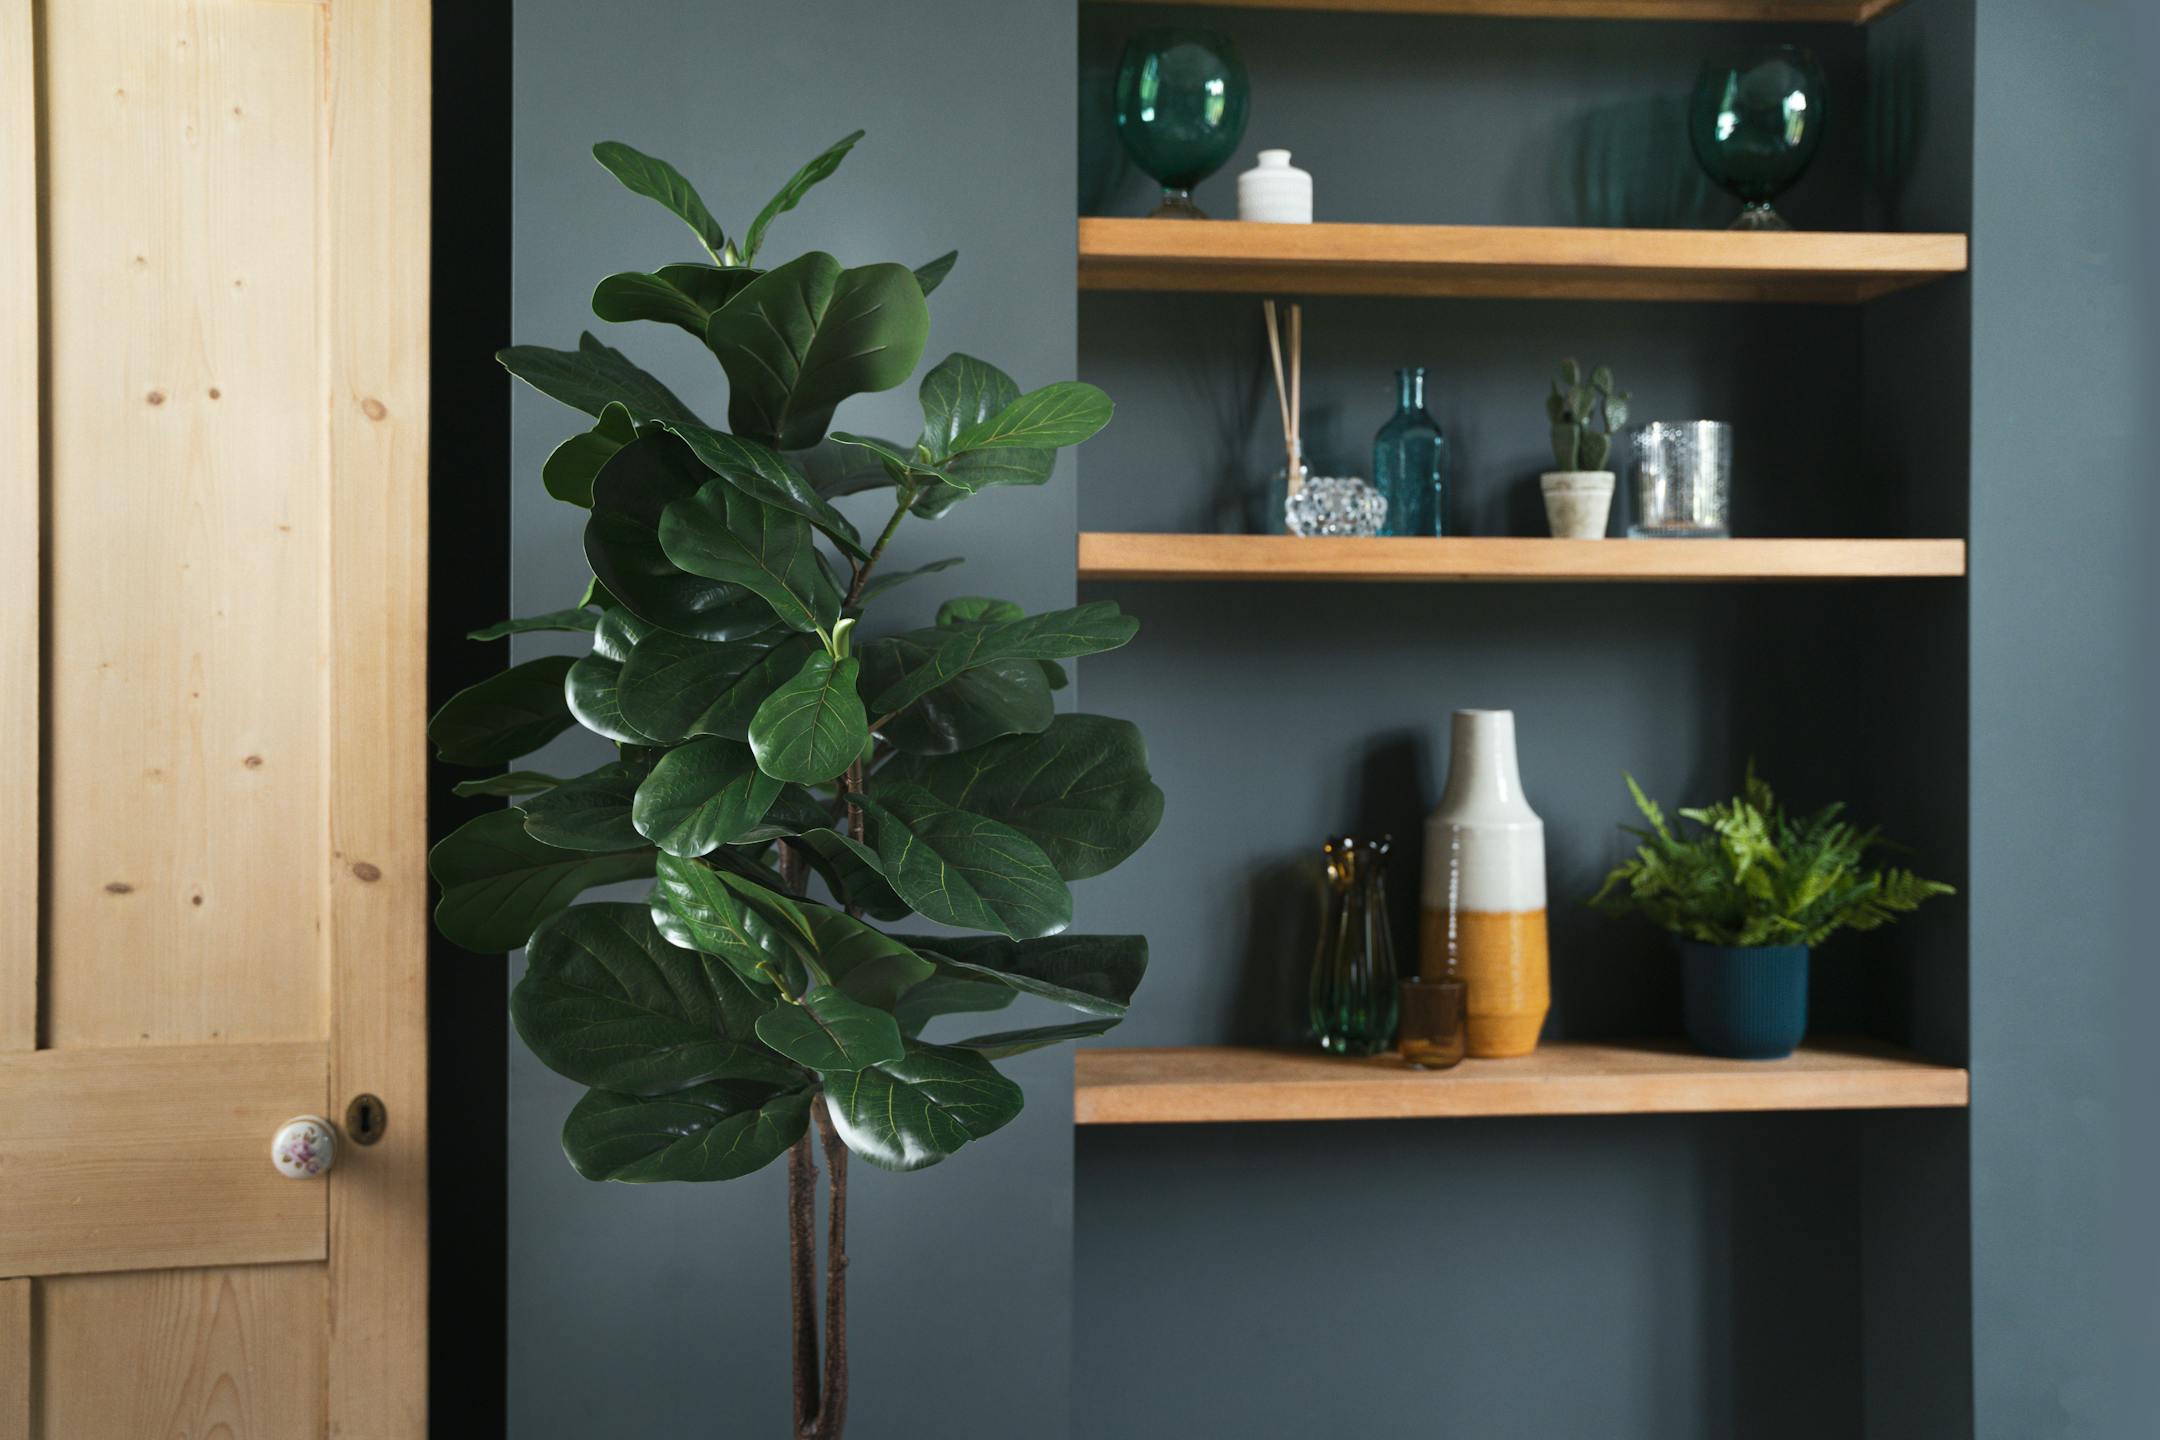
1836	12
1112	556
1508	262
1223	1083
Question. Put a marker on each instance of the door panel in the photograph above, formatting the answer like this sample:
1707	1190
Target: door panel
213	399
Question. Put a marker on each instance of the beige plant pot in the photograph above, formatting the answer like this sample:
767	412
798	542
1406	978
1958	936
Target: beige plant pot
1577	502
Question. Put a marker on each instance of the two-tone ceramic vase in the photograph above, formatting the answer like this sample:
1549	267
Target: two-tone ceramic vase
1483	920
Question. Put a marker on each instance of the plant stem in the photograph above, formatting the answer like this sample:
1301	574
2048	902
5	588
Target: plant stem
802	1277
862	571
832	1410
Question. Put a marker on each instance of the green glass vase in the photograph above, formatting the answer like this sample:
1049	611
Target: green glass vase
1182	100
1755	120
1353	994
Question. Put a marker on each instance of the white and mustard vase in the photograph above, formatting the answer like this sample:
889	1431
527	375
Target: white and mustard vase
1275	191
1483	919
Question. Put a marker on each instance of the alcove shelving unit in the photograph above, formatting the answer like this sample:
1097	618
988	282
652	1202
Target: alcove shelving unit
1836	12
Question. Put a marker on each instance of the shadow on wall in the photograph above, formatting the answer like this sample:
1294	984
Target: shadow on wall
1623	164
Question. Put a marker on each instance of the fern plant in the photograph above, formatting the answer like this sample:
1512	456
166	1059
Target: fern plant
1751	874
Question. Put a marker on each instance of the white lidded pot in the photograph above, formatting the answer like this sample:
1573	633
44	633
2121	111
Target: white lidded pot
1275	190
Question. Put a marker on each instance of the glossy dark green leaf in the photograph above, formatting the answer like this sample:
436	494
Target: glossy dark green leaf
791	194
593	377
696	907
981	470
504	716
813	726
722	534
892	456
721	1130
794	811
498	882
853	872
864	964
950	991
1094	974
917	1110
932	273
1018	1042
829	1032
1080	790
974	610
1054	674
591	812
594	684
657	180
1065	413
622	544
606	1000
962	869
835	470
764	476
803	337
568	472
885	580
511	783
957	394
674	687
1007	698
558	621
681	295
1055	635
703	795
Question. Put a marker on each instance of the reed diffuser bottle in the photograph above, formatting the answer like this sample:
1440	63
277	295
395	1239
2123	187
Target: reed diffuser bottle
1353	995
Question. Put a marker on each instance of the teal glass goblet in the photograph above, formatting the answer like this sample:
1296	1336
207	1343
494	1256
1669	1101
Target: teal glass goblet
1755	121
1182	100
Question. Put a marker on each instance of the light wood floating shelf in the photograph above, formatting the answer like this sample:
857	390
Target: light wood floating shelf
1508	262
1211	1084
1836	12
1113	556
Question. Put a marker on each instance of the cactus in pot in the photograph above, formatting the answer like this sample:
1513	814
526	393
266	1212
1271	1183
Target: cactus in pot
1578	495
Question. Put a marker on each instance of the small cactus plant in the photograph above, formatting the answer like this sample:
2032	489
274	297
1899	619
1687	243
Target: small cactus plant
1572	405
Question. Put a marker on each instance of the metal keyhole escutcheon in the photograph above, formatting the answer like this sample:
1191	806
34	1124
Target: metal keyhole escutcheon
366	1119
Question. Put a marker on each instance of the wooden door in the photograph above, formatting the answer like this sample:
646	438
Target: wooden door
213	419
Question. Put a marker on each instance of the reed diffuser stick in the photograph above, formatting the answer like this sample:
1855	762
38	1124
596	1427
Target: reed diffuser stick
1282	393
1297	392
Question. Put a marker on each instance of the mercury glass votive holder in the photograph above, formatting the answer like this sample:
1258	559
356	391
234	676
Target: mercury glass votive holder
1683	481
1430	1033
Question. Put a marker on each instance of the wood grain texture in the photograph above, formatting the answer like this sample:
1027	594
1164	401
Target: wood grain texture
1228	1083
1842	12
1513	262
185	383
1118	556
22	500
15	1366
145	1157
229	1354
378	128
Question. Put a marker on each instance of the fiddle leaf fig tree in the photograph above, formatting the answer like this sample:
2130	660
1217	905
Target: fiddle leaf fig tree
790	780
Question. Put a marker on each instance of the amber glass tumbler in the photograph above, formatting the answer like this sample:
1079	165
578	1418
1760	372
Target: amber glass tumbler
1431	1034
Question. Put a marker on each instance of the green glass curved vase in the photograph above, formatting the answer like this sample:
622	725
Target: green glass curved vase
1755	120
1182	99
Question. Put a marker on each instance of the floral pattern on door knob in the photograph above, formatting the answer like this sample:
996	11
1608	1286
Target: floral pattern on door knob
305	1147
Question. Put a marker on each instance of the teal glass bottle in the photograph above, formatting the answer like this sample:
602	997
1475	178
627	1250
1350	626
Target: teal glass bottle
1410	462
1353	995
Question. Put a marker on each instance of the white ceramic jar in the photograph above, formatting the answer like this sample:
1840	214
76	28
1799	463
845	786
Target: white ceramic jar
1275	191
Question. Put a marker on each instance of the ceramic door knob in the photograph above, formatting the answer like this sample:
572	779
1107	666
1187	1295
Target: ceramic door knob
305	1147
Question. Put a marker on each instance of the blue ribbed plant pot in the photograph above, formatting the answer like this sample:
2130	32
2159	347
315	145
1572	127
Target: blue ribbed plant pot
1745	1002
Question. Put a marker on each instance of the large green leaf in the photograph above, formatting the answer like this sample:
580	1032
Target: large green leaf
681	295
1080	789
1018	1042
1056	635
504	716
655	179
1065	413
703	795
721	1130
568	472
1009	697
607	1001
511	783
791	194
865	964
498	882
593	377
1094	974
794	811
622	544
674	687
803	337
594	684
591	812
566	622
695	907
950	991
829	1032
836	469
898	463
931	273
915	1111
852	870
723	534
813	726
957	394
975	470
763	475
962	869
